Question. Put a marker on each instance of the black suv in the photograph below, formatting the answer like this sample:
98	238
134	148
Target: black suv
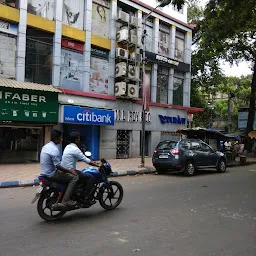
186	156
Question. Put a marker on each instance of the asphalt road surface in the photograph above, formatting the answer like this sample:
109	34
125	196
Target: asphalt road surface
209	214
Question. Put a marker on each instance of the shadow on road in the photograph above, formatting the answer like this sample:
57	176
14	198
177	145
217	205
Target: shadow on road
92	215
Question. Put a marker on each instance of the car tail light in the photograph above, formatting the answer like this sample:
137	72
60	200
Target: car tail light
175	152
155	152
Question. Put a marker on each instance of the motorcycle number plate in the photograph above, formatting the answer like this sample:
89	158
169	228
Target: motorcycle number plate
39	189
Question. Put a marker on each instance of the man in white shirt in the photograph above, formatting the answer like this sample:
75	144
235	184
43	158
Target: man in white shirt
72	153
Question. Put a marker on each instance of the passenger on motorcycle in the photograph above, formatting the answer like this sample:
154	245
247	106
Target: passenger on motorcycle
51	167
72	153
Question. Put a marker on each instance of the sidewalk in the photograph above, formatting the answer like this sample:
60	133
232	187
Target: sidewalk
12	175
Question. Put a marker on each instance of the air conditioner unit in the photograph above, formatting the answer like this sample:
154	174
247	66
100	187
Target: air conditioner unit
120	89
121	69
122	53
134	21
133	91
136	56
122	35
123	16
133	72
134	39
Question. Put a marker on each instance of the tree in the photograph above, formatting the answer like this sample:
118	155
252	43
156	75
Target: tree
228	31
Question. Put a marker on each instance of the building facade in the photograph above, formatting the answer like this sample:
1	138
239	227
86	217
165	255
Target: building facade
92	52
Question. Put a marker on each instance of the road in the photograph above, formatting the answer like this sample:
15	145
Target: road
209	214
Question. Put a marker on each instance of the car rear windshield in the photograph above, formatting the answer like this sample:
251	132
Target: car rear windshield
167	144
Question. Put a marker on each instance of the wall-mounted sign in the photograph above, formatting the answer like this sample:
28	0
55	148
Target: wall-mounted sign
28	105
77	115
8	27
73	45
243	118
172	119
131	116
165	61
99	71
96	52
43	8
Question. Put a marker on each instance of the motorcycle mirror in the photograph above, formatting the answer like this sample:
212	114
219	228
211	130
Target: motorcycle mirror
88	154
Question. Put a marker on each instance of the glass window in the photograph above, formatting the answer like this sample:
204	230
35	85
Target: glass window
7	56
162	85
11	3
195	145
167	145
100	20
43	8
149	38
99	75
71	70
206	148
179	46
73	13
178	82
164	42
38	62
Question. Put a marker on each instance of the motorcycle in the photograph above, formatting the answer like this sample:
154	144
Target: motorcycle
49	193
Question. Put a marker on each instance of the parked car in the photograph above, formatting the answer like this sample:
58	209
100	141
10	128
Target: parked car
187	155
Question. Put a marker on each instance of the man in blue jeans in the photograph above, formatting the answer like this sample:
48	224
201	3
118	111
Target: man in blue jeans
72	153
51	167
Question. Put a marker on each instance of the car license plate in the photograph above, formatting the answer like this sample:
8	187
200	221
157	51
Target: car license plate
39	189
163	156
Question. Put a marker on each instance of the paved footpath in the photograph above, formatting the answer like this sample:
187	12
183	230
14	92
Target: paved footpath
12	175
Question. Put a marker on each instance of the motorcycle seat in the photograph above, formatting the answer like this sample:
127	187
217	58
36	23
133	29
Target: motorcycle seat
51	183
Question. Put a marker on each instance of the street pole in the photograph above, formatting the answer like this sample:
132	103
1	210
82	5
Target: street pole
144	96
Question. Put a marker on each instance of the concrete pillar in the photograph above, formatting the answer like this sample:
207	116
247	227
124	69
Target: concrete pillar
140	28
155	35
188	43
112	53
87	46
135	144
172	41
154	82
21	42
56	60
186	89
170	86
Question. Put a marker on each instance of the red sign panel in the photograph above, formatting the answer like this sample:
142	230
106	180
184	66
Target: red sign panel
73	45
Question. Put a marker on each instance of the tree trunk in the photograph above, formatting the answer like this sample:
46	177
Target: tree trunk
251	114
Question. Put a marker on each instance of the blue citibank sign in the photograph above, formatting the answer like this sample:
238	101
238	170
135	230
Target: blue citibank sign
77	115
172	119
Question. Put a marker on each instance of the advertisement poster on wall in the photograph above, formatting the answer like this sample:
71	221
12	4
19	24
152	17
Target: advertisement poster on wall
163	45
146	88
7	56
43	8
71	70
73	13
100	20
99	75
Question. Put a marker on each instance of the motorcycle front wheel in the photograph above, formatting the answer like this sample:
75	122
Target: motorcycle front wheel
111	195
44	206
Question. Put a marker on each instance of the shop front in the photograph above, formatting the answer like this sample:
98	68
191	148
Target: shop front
123	140
87	121
26	118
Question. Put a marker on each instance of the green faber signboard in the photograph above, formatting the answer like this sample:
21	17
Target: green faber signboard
28	105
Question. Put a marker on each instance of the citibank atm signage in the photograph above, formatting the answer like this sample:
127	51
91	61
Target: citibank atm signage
77	115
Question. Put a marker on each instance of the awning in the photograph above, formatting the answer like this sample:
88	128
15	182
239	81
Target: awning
9	83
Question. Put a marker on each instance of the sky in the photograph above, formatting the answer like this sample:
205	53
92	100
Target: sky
243	68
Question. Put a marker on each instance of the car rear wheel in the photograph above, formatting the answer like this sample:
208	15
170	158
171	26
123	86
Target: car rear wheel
221	166
190	169
160	171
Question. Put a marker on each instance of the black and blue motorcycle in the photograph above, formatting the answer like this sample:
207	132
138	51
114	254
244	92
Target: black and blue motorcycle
49	193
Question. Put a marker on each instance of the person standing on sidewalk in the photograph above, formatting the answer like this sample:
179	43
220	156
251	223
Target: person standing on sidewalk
72	153
51	167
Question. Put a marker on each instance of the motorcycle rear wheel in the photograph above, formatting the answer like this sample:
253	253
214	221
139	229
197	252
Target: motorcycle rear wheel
107	193
49	197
